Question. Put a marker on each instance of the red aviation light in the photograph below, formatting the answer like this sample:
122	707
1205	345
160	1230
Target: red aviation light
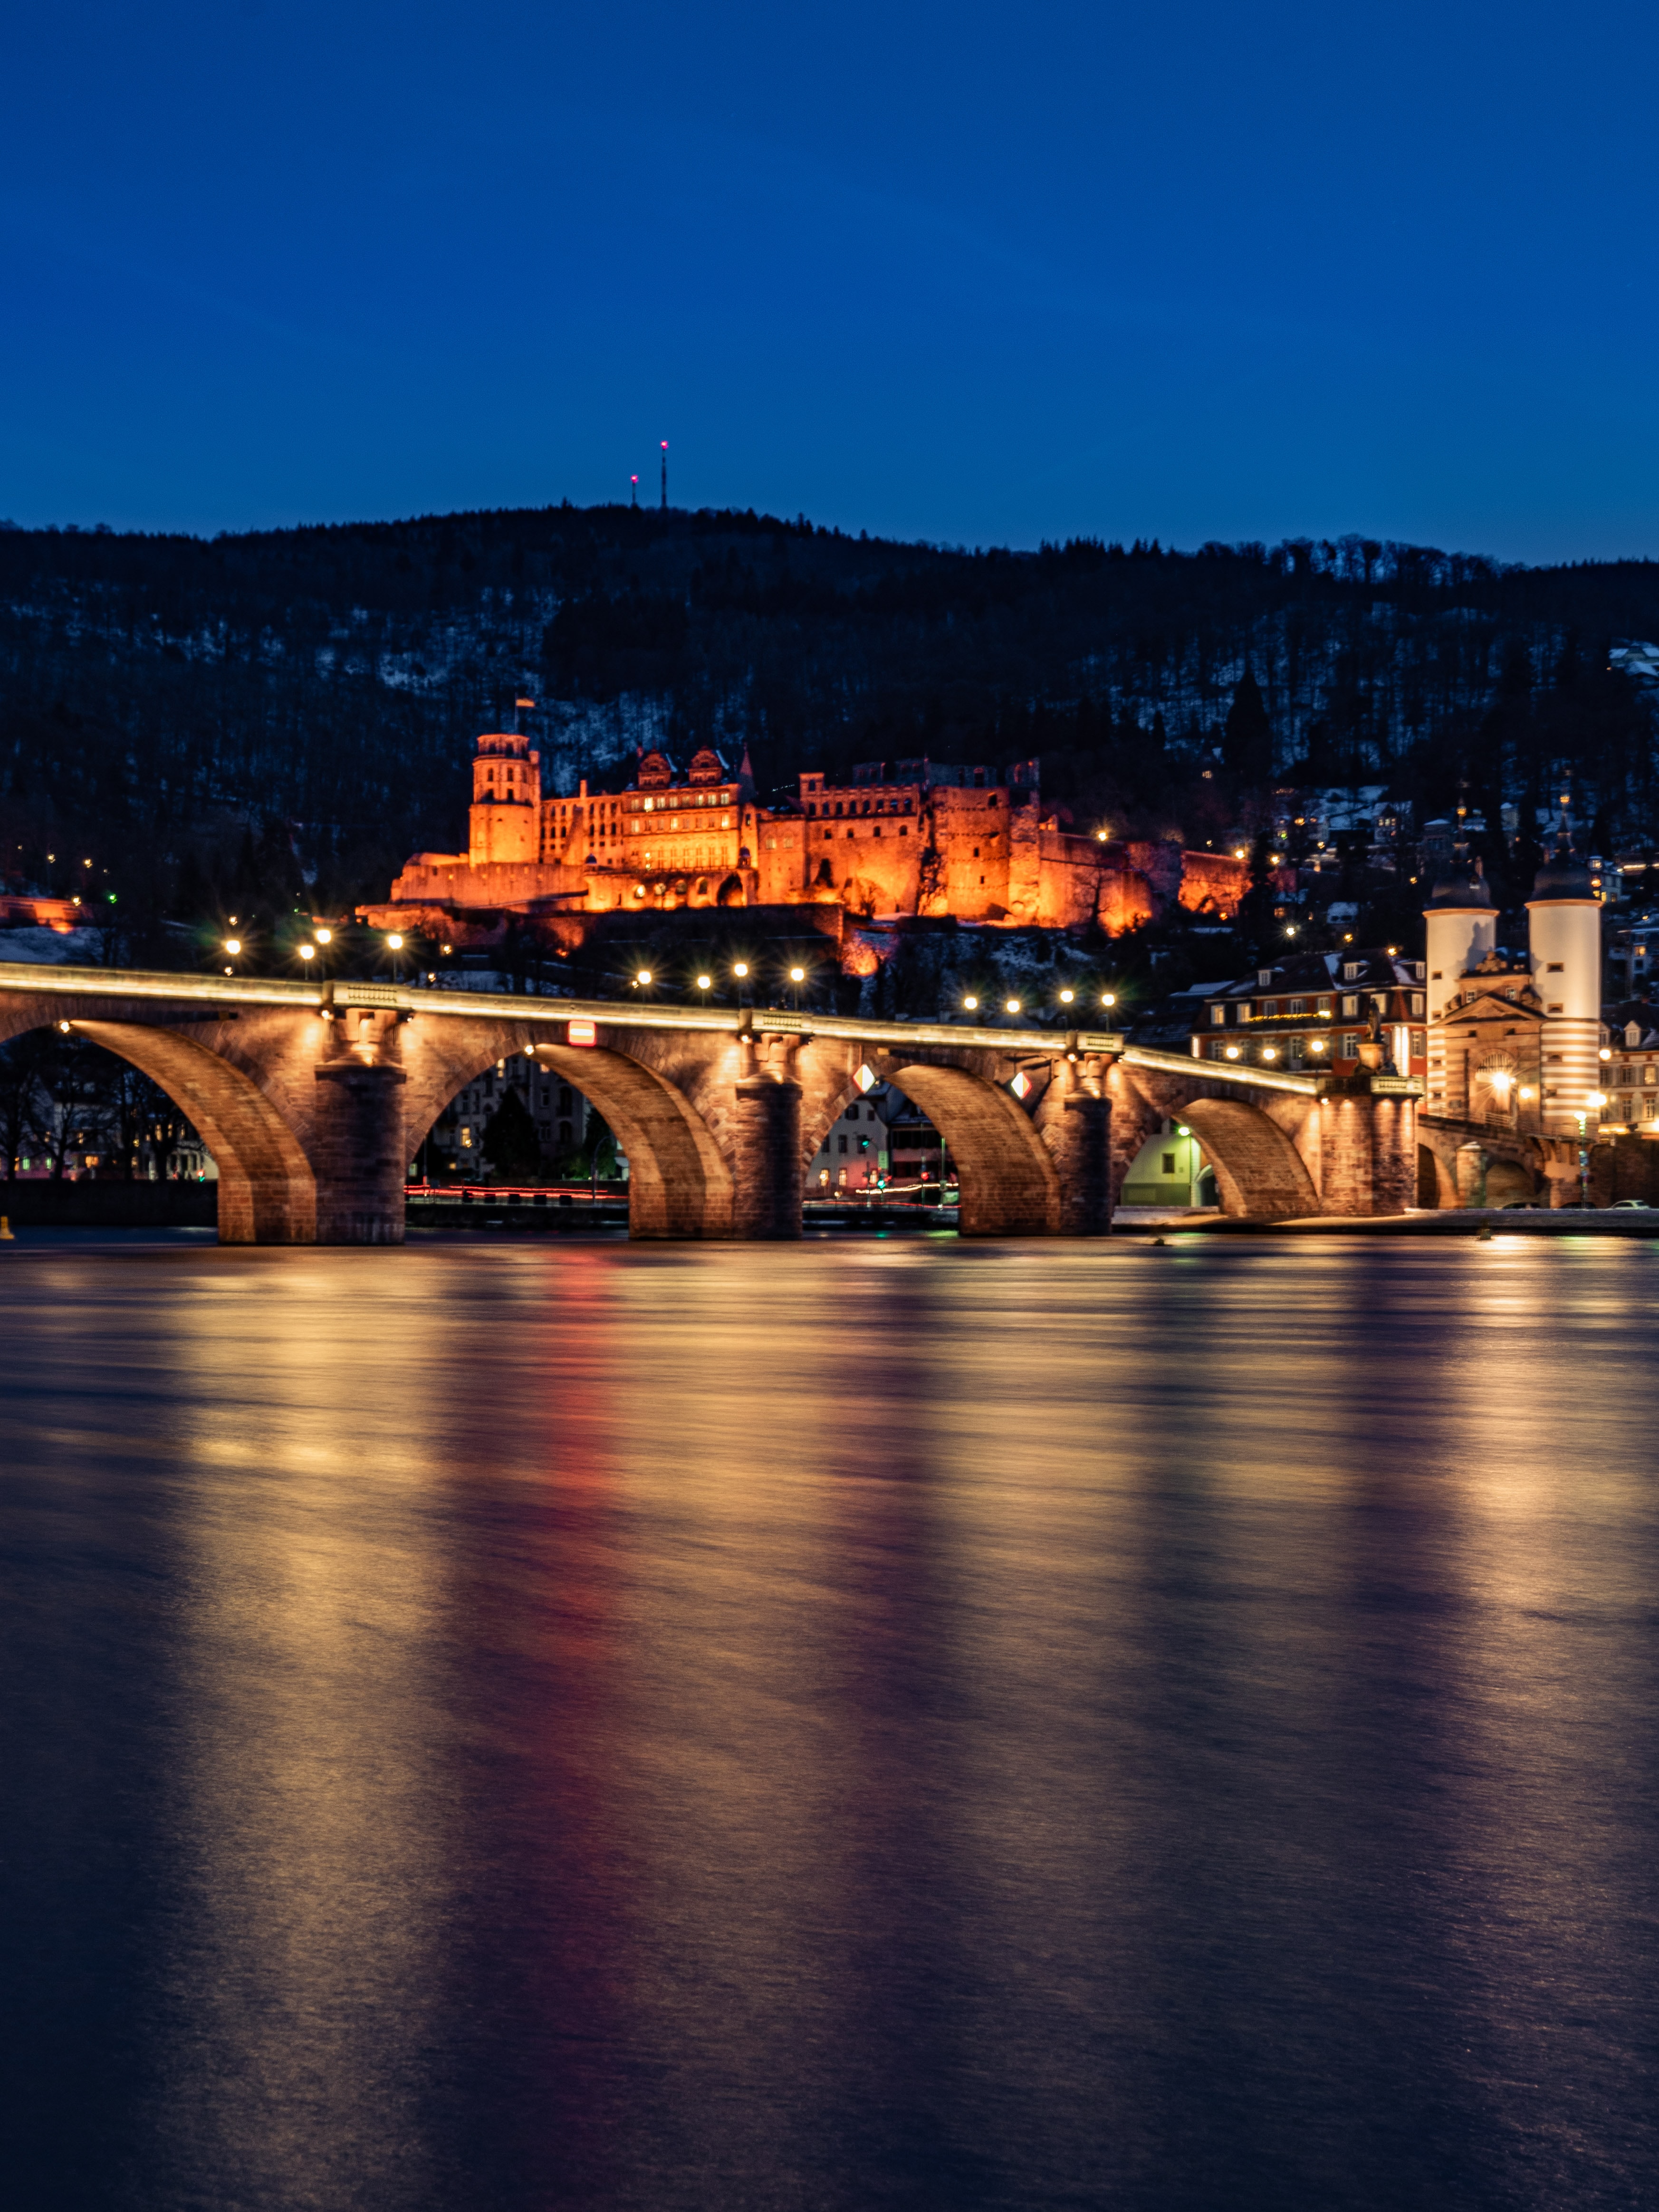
582	1033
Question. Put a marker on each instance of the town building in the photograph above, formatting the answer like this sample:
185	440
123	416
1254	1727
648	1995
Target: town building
855	1153
912	836
1311	1011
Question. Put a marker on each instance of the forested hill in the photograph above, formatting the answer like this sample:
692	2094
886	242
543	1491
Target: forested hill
323	685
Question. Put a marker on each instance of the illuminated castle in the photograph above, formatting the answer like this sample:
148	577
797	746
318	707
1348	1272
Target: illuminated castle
929	838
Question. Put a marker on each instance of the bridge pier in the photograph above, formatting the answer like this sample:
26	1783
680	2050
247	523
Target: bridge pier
359	1152
1367	1152
1080	1143
769	1175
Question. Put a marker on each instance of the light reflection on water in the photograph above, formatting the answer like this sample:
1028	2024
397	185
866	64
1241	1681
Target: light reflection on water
854	1724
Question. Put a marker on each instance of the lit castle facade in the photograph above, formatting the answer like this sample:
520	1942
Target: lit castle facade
928	838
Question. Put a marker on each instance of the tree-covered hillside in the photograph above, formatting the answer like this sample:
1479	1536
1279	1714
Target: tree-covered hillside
177	706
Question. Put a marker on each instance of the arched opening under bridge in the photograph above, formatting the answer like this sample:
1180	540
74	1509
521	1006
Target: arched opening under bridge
1258	1170
1008	1181
267	1191
678	1185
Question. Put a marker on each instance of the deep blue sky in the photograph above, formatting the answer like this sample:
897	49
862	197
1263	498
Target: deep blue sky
972	274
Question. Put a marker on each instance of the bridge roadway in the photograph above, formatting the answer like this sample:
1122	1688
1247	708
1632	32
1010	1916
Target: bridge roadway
312	1097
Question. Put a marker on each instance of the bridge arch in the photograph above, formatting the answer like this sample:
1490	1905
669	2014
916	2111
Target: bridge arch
1009	1184
1258	1170
267	1191
679	1184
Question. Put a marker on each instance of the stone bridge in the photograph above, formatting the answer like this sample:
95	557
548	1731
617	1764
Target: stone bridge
313	1099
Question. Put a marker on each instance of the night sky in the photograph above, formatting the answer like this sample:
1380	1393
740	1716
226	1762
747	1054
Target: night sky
976	275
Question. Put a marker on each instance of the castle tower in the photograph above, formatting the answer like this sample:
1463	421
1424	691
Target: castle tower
1565	920
506	820
1461	929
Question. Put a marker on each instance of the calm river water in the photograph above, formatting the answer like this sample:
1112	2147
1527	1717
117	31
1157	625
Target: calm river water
860	1725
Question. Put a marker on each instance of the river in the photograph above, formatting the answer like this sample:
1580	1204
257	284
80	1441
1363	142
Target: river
862	1723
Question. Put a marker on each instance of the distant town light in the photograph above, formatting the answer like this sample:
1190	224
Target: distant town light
394	943
1067	997
1012	1005
1239	852
1109	997
971	1003
326	936
307	952
797	975
705	982
740	968
643	977
1290	929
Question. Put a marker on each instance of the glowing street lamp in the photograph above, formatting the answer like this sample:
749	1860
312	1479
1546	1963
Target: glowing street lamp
643	979
1010	1005
1109	997
971	1004
705	982
233	945
326	936
307	952
1067	997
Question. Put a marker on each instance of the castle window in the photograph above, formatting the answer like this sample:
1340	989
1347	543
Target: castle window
1350	1006
904	828
992	801
1218	1015
1350	1045
1324	1006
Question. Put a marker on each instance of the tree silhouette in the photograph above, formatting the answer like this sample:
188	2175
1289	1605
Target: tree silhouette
510	1143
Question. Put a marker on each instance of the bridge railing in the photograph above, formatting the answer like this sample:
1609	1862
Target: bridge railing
210	992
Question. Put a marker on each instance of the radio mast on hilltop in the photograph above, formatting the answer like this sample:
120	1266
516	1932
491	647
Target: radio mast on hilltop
664	476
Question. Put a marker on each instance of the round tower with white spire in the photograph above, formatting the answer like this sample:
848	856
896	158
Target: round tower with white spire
1462	928
1565	925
